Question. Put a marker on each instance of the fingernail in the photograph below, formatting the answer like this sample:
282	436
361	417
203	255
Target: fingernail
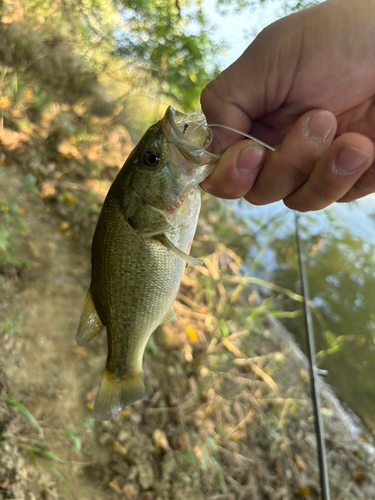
349	160
250	159
320	125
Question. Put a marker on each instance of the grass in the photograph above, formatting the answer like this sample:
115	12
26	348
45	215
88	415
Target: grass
37	450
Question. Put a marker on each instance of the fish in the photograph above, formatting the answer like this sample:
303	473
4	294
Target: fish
140	249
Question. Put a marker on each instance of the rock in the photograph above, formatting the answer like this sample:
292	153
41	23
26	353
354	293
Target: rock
146	476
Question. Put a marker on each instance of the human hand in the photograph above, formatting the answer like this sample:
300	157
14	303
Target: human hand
306	86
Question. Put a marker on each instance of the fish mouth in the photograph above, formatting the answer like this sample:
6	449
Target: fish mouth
188	136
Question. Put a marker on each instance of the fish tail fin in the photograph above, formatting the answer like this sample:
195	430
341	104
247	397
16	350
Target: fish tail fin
89	323
114	394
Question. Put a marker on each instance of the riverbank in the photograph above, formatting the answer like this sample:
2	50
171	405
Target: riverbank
229	414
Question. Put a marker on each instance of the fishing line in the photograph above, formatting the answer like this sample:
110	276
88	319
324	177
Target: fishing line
196	121
242	133
319	428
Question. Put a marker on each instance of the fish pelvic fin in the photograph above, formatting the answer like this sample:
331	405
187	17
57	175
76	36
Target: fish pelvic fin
187	258
170	316
114	394
90	323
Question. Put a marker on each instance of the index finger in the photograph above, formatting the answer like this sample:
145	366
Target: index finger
215	106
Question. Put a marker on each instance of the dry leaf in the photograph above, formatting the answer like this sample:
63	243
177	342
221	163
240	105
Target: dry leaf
114	486
193	337
64	226
299	462
4	102
160	440
70	199
304	491
359	475
118	448
4	485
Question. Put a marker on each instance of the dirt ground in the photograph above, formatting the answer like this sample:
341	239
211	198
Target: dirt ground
229	417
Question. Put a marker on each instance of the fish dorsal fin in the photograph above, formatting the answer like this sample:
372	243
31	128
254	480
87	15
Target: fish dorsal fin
167	243
170	316
90	323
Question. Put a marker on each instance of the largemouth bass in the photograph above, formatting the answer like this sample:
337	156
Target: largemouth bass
139	250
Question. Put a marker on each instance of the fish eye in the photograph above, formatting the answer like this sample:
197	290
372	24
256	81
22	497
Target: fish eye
151	159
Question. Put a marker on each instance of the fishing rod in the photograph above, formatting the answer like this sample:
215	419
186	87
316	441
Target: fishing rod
319	427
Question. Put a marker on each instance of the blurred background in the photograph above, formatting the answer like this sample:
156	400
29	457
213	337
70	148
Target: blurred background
229	415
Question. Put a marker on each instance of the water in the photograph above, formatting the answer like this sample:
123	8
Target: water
339	251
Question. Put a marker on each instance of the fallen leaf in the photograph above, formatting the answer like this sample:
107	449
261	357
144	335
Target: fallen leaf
129	491
4	102
299	462
4	485
359	475
114	486
70	199
80	351
46	189
150	495
118	448
193	337
125	413
304	491
160	440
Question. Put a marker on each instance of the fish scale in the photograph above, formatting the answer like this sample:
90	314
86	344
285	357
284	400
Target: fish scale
139	251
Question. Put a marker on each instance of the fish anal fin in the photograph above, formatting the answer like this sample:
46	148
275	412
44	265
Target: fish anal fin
170	316
90	323
188	258
114	394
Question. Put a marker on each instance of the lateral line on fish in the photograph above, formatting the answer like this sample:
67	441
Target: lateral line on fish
242	133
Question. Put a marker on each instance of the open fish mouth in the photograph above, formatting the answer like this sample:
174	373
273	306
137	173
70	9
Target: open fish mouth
191	137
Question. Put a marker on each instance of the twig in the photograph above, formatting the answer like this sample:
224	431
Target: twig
231	453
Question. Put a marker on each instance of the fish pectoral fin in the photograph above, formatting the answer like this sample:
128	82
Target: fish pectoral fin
114	394
188	258
170	316
90	323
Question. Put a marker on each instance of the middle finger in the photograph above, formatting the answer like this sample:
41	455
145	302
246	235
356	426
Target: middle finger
293	161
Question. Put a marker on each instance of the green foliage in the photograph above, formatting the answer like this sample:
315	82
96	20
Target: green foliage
207	449
159	46
190	457
13	326
11	212
72	434
38	453
25	412
335	344
157	43
89	423
4	239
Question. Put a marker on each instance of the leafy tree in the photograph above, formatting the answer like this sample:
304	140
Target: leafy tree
162	46
157	43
